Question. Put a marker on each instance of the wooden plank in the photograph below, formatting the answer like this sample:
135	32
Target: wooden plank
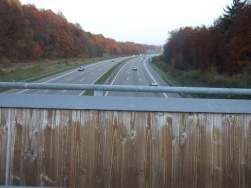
81	148
217	159
247	124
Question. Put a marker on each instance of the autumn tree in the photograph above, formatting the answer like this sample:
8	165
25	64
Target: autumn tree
227	26
14	32
240	42
28	32
225	46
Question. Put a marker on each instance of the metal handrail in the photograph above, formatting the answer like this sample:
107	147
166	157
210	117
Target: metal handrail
126	88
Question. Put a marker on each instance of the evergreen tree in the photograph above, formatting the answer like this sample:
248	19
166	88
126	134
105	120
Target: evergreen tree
230	13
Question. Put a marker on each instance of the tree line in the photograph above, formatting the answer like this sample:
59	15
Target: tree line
27	33
224	47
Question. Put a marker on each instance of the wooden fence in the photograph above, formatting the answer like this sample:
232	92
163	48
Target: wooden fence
124	149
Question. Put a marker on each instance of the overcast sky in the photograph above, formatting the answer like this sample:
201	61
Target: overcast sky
139	21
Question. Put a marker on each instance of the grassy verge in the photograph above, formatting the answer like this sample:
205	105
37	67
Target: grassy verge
21	71
195	78
104	78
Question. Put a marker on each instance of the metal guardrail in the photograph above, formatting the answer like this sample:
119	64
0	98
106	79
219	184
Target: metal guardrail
100	89
48	74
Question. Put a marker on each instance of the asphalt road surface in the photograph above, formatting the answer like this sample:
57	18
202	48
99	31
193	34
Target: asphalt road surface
145	75
91	73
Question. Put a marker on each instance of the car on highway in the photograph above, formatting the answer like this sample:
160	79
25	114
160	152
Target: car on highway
81	68
154	84
135	68
113	60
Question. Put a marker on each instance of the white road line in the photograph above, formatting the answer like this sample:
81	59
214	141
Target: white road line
92	82
152	77
58	77
49	80
117	75
62	76
64	91
22	91
69	79
82	79
115	78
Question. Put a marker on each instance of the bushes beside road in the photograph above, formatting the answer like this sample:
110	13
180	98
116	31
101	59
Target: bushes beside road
196	78
21	71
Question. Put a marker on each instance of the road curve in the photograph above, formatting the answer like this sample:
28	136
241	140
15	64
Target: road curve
144	76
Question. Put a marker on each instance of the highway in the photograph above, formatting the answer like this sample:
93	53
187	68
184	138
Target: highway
91	73
144	75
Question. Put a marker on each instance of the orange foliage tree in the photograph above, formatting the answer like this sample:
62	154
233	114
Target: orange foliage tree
225	46
27	32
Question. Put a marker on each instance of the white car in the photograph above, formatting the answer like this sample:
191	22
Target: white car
81	68
135	68
154	84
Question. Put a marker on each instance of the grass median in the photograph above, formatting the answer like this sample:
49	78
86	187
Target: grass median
103	79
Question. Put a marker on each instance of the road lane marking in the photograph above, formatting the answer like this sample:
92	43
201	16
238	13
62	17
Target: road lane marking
115	78
48	81
152	77
22	91
58	77
82	79
94	64
92	82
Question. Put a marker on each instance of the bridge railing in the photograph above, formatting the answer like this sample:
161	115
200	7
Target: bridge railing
99	89
75	141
